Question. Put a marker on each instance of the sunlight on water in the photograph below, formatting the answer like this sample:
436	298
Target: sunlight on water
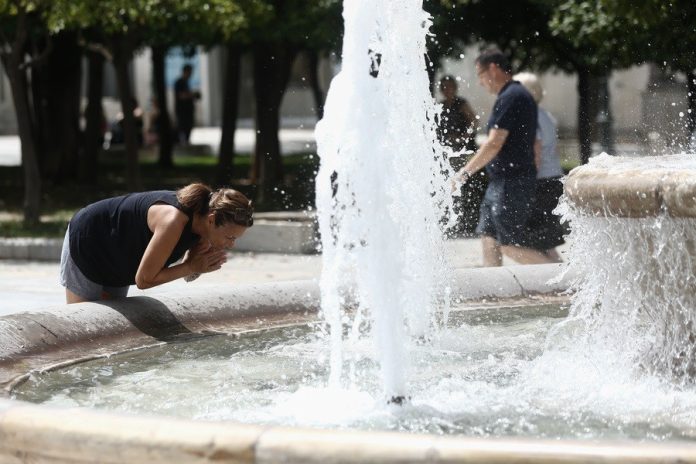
484	375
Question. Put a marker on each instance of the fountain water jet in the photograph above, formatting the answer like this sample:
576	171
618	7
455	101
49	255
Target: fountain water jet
380	187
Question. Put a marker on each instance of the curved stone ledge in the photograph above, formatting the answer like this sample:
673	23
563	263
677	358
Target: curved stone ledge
632	192
30	433
64	334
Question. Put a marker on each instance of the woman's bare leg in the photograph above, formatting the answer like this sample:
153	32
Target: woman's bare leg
71	297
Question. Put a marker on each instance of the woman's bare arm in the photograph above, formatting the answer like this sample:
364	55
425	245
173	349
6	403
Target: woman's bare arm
167	224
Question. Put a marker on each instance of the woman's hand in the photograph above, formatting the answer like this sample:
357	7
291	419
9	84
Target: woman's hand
205	258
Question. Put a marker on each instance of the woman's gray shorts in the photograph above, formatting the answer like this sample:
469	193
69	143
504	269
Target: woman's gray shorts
74	280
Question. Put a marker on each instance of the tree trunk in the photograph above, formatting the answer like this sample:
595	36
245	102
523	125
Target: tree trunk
25	126
123	55
95	121
230	109
164	122
317	93
691	85
56	84
604	120
585	114
272	65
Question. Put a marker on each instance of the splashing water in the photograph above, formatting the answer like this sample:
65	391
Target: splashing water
634	310
380	188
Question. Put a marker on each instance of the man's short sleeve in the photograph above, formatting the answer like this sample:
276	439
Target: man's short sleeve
507	114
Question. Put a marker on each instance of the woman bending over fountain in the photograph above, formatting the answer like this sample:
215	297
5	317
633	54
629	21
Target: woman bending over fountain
135	239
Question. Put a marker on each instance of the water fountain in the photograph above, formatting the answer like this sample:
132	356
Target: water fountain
380	188
641	213
617	367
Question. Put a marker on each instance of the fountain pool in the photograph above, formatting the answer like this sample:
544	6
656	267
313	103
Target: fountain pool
611	382
483	376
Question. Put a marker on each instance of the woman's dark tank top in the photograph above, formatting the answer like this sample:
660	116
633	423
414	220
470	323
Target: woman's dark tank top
108	238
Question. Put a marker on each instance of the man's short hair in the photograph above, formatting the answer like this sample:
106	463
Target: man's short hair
187	68
494	56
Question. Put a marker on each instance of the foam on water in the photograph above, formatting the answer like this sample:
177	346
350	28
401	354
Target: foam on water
488	377
634	311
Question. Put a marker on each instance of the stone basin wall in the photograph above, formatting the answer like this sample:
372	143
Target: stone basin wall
62	335
632	192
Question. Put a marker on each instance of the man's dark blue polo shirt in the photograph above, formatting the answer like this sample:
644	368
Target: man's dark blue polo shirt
515	111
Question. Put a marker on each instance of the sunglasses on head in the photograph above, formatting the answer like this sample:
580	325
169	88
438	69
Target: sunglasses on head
243	217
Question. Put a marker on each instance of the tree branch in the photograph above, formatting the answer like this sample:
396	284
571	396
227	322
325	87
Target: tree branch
97	48
40	58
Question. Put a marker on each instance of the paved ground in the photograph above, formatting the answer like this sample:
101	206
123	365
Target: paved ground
28	285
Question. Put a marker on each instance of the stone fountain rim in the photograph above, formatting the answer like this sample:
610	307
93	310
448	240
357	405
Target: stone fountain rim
633	192
79	435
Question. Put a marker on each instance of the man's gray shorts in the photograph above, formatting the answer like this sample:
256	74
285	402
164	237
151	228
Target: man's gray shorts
74	280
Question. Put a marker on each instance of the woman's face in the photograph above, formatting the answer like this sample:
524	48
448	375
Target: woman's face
224	236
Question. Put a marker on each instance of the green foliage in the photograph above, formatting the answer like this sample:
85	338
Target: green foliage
566	35
152	22
662	31
607	39
520	28
307	24
31	12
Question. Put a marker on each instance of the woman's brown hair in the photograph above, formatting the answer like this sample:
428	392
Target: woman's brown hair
228	205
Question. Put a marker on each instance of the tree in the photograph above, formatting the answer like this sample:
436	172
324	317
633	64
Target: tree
121	27
56	95
278	35
660	32
189	24
94	117
541	35
595	41
116	27
19	21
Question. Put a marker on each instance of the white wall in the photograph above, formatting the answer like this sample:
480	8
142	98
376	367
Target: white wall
561	99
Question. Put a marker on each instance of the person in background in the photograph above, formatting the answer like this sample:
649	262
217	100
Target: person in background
184	99
508	157
138	238
545	229
457	128
458	123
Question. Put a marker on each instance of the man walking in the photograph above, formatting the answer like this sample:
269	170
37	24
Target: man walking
508	157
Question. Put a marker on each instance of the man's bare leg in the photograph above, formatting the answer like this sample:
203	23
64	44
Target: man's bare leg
524	255
492	256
